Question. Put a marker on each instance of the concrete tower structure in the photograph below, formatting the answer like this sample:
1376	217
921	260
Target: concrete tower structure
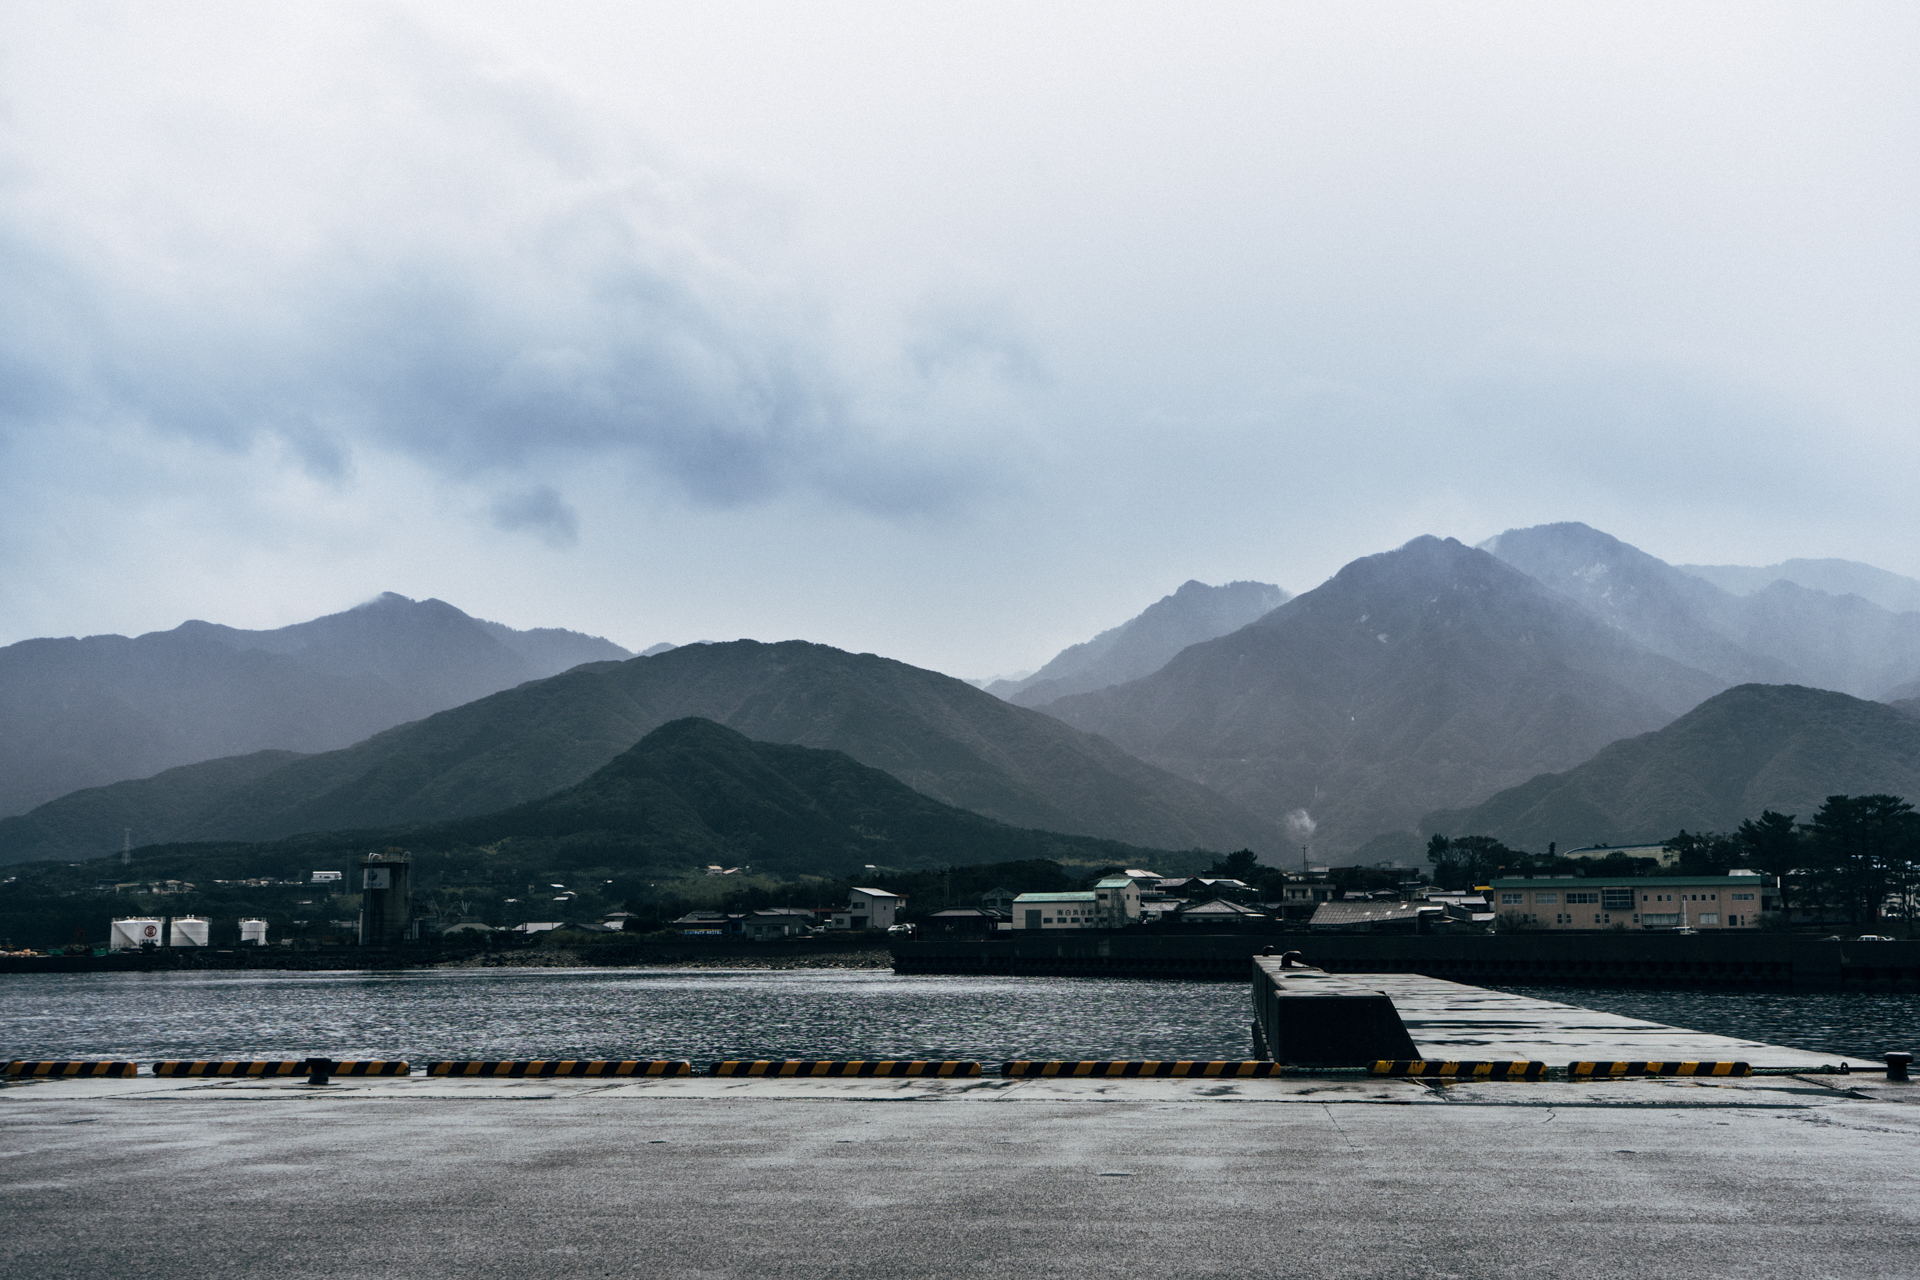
386	899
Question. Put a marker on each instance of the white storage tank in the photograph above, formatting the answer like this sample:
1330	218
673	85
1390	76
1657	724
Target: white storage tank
253	933
130	933
187	931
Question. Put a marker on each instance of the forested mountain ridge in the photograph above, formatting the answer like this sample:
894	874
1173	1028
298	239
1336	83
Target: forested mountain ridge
1744	751
694	792
941	736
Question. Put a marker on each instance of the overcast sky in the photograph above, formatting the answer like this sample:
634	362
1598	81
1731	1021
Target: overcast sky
950	332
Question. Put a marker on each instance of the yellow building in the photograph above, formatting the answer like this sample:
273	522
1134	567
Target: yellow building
1633	902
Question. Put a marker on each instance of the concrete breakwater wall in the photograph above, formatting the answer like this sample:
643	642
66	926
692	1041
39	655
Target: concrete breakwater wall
1776	961
616	951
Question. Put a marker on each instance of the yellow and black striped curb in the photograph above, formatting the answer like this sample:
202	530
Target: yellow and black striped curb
566	1067
1142	1067
1589	1070
847	1067
184	1068
60	1068
368	1068
1423	1070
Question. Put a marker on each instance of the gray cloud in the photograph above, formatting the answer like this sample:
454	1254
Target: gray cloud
548	296
541	510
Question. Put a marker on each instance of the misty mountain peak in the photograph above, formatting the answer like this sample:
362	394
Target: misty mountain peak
393	604
1194	613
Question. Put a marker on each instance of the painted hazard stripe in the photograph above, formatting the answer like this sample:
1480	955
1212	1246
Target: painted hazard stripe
73	1069
845	1067
370	1069
572	1067
1138	1067
177	1067
1420	1069
1578	1070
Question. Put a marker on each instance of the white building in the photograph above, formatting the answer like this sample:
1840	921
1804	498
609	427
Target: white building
1118	901
1080	910
869	909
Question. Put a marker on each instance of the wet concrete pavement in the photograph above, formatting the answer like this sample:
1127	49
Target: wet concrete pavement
1797	1177
1803	1176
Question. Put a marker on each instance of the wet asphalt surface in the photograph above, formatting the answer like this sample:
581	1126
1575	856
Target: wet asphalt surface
1791	1182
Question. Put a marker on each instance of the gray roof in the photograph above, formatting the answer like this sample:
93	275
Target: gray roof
1219	907
1368	912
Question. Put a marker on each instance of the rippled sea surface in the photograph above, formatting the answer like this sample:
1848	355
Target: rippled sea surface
620	1013
704	1014
1853	1024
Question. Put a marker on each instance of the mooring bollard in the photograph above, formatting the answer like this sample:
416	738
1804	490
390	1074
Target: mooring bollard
1897	1064
317	1069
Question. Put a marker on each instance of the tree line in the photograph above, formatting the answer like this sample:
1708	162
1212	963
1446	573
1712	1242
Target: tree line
1857	856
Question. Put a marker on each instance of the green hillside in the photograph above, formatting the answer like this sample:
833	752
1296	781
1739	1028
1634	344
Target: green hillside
1752	748
938	735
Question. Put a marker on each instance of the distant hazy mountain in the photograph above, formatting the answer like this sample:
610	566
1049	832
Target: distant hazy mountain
81	712
1669	611
1754	747
1893	592
941	736
1782	632
1143	645
1408	680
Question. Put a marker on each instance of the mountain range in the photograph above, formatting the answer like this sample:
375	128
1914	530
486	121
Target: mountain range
1432	671
1145	643
1751	748
1780	632
1893	592
83	712
938	735
1424	680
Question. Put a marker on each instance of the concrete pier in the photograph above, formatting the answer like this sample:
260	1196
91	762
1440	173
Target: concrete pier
1801	1175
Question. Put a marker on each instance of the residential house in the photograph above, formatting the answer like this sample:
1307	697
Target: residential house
970	922
704	924
1369	916
777	922
1217	913
869	909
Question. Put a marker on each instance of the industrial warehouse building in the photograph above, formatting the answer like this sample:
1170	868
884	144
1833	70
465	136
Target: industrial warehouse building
1634	902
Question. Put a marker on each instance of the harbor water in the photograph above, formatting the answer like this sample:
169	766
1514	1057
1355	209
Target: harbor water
704	1014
